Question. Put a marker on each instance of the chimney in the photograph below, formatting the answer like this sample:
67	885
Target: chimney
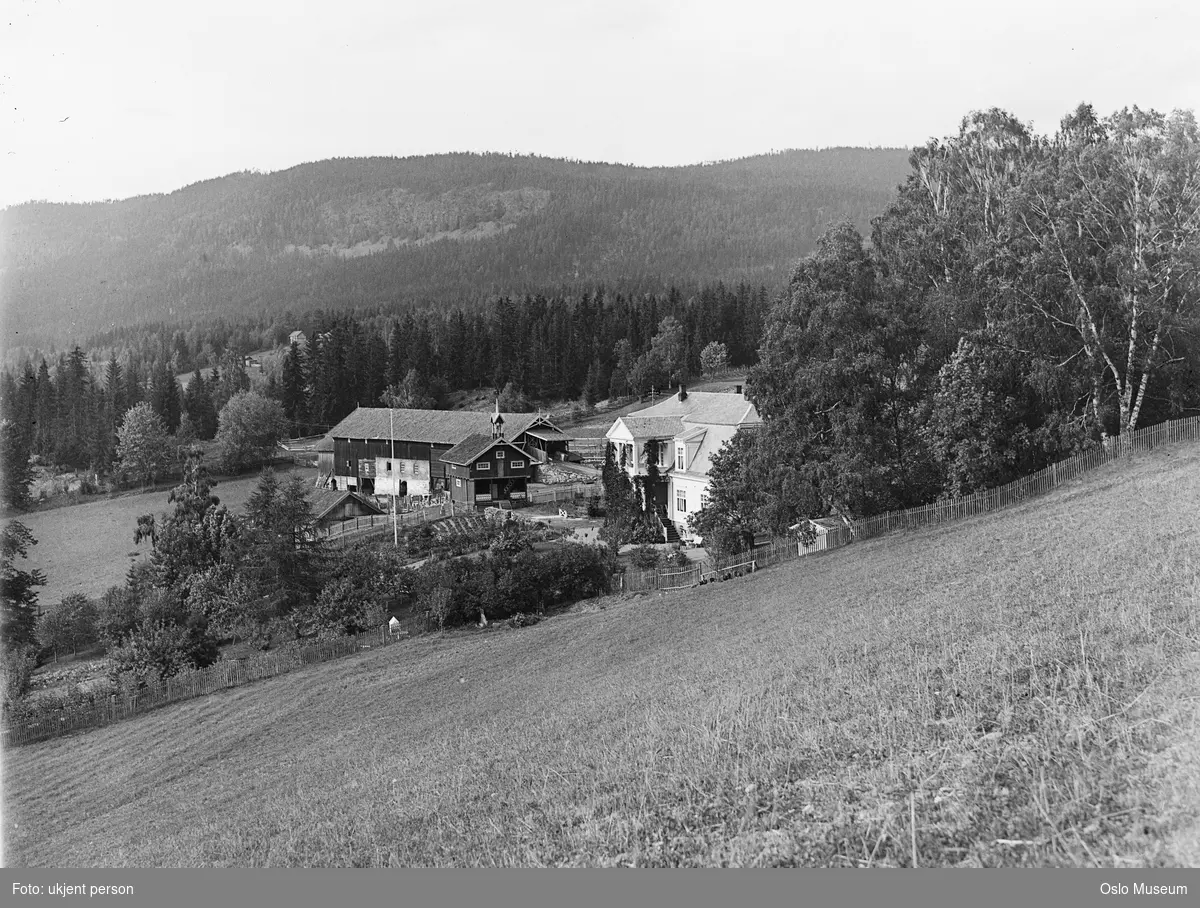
682	392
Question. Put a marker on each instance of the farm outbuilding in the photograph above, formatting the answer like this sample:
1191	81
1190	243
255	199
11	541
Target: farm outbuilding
482	470
831	532
377	451
332	506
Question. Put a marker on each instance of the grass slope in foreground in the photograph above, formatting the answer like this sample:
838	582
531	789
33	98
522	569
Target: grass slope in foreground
1024	683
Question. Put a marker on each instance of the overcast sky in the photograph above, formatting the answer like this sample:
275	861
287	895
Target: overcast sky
113	99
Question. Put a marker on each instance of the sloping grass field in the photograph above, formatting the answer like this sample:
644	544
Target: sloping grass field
1015	689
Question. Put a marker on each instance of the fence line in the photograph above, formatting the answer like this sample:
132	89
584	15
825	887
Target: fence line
1034	485
574	491
1015	492
403	518
449	508
188	685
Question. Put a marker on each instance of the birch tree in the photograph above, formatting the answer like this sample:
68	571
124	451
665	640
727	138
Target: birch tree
1114	213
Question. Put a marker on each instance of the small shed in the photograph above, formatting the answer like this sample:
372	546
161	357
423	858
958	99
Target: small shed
831	533
332	506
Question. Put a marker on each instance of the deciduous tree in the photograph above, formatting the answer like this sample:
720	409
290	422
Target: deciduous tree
250	428
142	443
18	587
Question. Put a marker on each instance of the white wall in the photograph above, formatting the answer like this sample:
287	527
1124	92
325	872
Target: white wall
414	472
693	489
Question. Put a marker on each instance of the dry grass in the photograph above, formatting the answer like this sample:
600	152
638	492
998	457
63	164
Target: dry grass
87	548
1016	689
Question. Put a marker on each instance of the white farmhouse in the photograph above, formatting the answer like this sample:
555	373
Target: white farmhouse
684	432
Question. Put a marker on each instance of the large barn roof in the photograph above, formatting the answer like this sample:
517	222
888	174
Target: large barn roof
445	427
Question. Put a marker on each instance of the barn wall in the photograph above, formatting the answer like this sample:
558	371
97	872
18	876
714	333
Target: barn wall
348	454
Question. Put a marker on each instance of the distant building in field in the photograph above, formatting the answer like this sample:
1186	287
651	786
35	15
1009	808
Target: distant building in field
297	337
683	432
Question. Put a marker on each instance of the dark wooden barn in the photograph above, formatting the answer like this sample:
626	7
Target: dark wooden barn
377	451
482	470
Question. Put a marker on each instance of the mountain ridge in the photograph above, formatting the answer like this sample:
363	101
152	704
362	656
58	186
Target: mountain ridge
435	229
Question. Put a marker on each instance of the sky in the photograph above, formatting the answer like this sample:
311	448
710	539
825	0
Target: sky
110	99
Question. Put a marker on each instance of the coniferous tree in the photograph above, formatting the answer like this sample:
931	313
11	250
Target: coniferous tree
294	396
14	459
44	412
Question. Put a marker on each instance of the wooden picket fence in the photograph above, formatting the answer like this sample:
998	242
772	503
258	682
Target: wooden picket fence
355	525
187	685
1039	483
1019	490
669	579
572	492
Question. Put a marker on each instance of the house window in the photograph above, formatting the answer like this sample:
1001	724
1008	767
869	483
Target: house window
483	465
681	501
389	466
499	455
679	458
457	483
517	464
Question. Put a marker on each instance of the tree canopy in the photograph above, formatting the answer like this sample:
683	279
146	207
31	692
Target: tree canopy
1023	297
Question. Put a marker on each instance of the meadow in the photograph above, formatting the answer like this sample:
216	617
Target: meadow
1019	688
87	548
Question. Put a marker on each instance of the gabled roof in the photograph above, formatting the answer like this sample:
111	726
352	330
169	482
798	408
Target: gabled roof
711	407
822	524
546	434
472	448
446	427
325	500
641	426
707	440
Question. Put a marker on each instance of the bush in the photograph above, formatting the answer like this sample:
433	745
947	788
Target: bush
645	557
520	619
159	649
676	560
16	667
453	592
366	585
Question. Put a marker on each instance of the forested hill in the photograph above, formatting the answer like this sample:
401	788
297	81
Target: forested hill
442	228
